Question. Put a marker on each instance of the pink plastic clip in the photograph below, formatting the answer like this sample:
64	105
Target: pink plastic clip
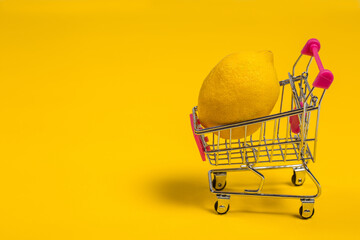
198	140
295	122
325	77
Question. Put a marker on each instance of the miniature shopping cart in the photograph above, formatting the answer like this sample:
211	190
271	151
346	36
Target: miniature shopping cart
286	139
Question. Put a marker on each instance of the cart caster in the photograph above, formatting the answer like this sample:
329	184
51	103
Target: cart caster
219	181
307	209
222	205
298	177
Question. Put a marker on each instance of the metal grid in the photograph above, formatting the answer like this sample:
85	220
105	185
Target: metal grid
252	152
286	139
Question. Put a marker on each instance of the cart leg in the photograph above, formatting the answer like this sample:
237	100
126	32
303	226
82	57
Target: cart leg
262	178
222	204
307	208
298	177
219	181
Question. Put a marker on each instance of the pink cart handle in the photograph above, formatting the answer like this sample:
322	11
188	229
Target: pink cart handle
197	140
295	122
325	76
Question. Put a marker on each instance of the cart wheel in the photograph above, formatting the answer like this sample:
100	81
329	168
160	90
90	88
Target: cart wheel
218	186
305	215
297	180
222	209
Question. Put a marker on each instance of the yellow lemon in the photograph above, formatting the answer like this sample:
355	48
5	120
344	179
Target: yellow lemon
242	86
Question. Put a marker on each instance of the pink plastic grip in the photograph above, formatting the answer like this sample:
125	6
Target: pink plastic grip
295	124
197	139
325	77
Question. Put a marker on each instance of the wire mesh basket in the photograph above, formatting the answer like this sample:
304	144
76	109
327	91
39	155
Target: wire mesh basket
285	139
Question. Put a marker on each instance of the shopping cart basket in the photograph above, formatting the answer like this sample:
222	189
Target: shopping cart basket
286	139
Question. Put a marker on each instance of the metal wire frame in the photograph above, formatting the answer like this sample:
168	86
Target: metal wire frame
290	147
278	151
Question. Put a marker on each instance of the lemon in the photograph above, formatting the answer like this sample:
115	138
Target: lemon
242	86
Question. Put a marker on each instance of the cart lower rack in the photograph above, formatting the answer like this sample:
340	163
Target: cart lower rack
286	139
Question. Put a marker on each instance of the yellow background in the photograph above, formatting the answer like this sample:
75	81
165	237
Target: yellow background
95	140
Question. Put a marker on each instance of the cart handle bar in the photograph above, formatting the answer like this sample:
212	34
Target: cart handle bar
325	77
